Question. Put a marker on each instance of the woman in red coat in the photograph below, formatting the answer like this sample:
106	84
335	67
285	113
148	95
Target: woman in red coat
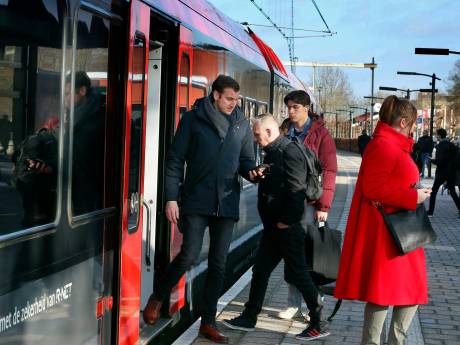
371	269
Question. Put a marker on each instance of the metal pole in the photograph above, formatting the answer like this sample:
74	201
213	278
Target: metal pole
433	87
351	129
408	94
336	124
372	99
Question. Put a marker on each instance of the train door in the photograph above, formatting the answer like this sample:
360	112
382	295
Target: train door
183	104
132	220
150	202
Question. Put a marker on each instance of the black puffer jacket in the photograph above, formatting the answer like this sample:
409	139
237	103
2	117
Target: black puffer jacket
197	141
281	195
446	153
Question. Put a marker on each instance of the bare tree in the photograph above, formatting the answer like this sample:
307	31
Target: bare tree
336	91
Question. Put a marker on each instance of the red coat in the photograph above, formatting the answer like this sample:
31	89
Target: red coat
370	268
319	140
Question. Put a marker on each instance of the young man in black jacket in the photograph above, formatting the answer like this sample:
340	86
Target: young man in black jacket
281	202
209	194
446	153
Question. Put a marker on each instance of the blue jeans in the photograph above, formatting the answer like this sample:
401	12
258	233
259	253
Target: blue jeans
426	162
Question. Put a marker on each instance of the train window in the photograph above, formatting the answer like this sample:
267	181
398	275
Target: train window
87	96
137	125
262	108
241	103
30	65
184	82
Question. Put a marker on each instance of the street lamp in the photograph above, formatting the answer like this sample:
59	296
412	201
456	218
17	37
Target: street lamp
319	95
336	120
407	91
433	91
374	97
434	51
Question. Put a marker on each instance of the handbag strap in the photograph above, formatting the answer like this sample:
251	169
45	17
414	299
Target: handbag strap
336	309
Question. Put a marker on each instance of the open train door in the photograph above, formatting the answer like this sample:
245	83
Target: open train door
133	172
183	104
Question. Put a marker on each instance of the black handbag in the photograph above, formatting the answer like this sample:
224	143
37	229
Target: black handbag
322	251
409	229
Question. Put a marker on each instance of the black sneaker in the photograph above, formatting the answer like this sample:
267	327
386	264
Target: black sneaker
242	323
312	333
430	214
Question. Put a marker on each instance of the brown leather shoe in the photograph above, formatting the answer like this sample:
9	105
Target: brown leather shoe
212	333
151	311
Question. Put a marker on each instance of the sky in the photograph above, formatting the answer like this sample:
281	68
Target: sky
387	30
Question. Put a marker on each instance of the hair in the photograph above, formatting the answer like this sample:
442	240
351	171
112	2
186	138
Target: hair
264	119
441	132
364	131
299	97
223	82
394	109
285	124
82	79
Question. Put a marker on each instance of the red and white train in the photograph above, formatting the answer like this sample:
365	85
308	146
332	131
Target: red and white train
82	241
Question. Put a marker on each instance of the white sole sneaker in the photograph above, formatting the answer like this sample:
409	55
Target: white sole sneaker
289	313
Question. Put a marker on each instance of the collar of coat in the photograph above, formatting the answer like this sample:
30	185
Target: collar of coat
318	123
199	108
386	131
274	145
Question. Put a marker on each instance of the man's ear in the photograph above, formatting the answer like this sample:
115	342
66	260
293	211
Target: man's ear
269	132
215	95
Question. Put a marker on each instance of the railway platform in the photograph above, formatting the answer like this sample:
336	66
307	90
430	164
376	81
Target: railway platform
438	322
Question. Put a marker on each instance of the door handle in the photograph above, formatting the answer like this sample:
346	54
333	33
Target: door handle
148	261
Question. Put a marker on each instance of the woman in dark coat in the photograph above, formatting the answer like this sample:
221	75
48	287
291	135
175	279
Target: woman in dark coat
371	269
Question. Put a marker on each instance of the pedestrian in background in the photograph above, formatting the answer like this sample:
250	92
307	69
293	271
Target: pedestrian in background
425	144
446	154
371	267
363	140
308	128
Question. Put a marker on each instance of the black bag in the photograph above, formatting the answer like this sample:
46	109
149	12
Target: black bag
314	170
41	146
322	250
409	229
323	247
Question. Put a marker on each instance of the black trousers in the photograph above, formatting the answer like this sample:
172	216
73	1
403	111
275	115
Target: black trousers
287	244
438	182
193	228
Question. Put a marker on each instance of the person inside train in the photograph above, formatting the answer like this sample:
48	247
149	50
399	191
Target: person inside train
281	204
215	141
309	129
88	144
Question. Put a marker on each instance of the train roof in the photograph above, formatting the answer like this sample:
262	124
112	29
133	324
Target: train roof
205	17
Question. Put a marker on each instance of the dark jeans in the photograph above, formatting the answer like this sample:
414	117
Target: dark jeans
220	233
438	182
287	244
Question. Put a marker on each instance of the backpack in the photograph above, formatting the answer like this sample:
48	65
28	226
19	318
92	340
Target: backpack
40	146
314	170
